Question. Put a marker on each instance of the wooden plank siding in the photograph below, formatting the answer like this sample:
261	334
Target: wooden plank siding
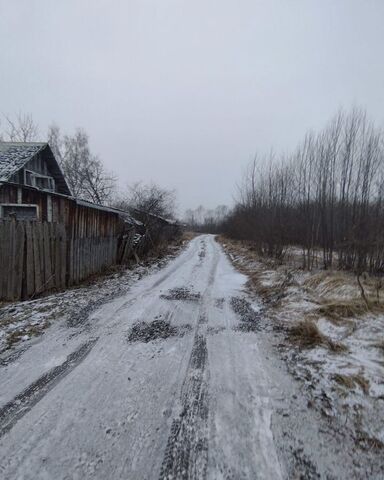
81	240
37	256
34	258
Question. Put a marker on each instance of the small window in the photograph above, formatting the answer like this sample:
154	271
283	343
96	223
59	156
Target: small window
28	178
19	211
42	182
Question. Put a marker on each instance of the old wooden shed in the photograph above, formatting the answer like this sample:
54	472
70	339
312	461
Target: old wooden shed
48	238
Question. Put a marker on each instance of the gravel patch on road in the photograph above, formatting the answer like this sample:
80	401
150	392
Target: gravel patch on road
182	293
249	318
157	329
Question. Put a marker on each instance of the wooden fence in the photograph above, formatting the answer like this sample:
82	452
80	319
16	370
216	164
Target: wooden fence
39	256
35	257
90	255
126	246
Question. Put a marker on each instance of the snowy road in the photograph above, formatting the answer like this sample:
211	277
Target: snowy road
160	383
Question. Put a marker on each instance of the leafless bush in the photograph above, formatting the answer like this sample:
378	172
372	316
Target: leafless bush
151	199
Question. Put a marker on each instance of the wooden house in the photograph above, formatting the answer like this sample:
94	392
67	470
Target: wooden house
31	182
62	239
33	187
50	239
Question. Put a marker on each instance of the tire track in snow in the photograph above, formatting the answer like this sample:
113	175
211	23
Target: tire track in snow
169	271
186	454
12	411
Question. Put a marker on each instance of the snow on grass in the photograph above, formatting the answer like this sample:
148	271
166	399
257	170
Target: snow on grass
340	356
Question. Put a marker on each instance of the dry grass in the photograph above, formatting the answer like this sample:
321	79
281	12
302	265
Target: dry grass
329	286
335	295
343	308
188	235
344	380
362	382
5	321
351	381
339	310
268	293
271	294
330	283
307	334
339	296
336	347
254	282
316	279
379	345
31	331
369	443
14	337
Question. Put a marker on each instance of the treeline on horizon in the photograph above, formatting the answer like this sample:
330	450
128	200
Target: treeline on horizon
327	197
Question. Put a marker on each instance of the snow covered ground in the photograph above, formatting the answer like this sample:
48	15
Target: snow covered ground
174	377
343	370
23	321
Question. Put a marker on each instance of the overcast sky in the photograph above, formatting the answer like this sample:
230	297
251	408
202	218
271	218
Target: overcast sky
184	92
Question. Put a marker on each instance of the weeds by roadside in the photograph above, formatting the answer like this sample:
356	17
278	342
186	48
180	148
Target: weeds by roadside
350	381
307	334
329	335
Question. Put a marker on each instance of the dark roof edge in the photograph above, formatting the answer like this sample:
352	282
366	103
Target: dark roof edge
78	201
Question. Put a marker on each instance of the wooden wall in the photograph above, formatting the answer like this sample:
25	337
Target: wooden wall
81	240
33	257
79	220
38	256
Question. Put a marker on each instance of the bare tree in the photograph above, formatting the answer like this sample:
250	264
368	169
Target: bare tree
150	199
20	129
85	173
203	220
99	185
75	160
55	141
190	218
327	197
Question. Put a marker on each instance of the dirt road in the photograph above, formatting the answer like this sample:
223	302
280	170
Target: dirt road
169	381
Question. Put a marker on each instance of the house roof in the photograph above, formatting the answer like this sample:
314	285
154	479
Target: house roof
139	212
14	155
122	213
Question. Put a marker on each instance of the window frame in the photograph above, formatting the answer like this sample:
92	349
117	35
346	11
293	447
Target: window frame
34	176
15	205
